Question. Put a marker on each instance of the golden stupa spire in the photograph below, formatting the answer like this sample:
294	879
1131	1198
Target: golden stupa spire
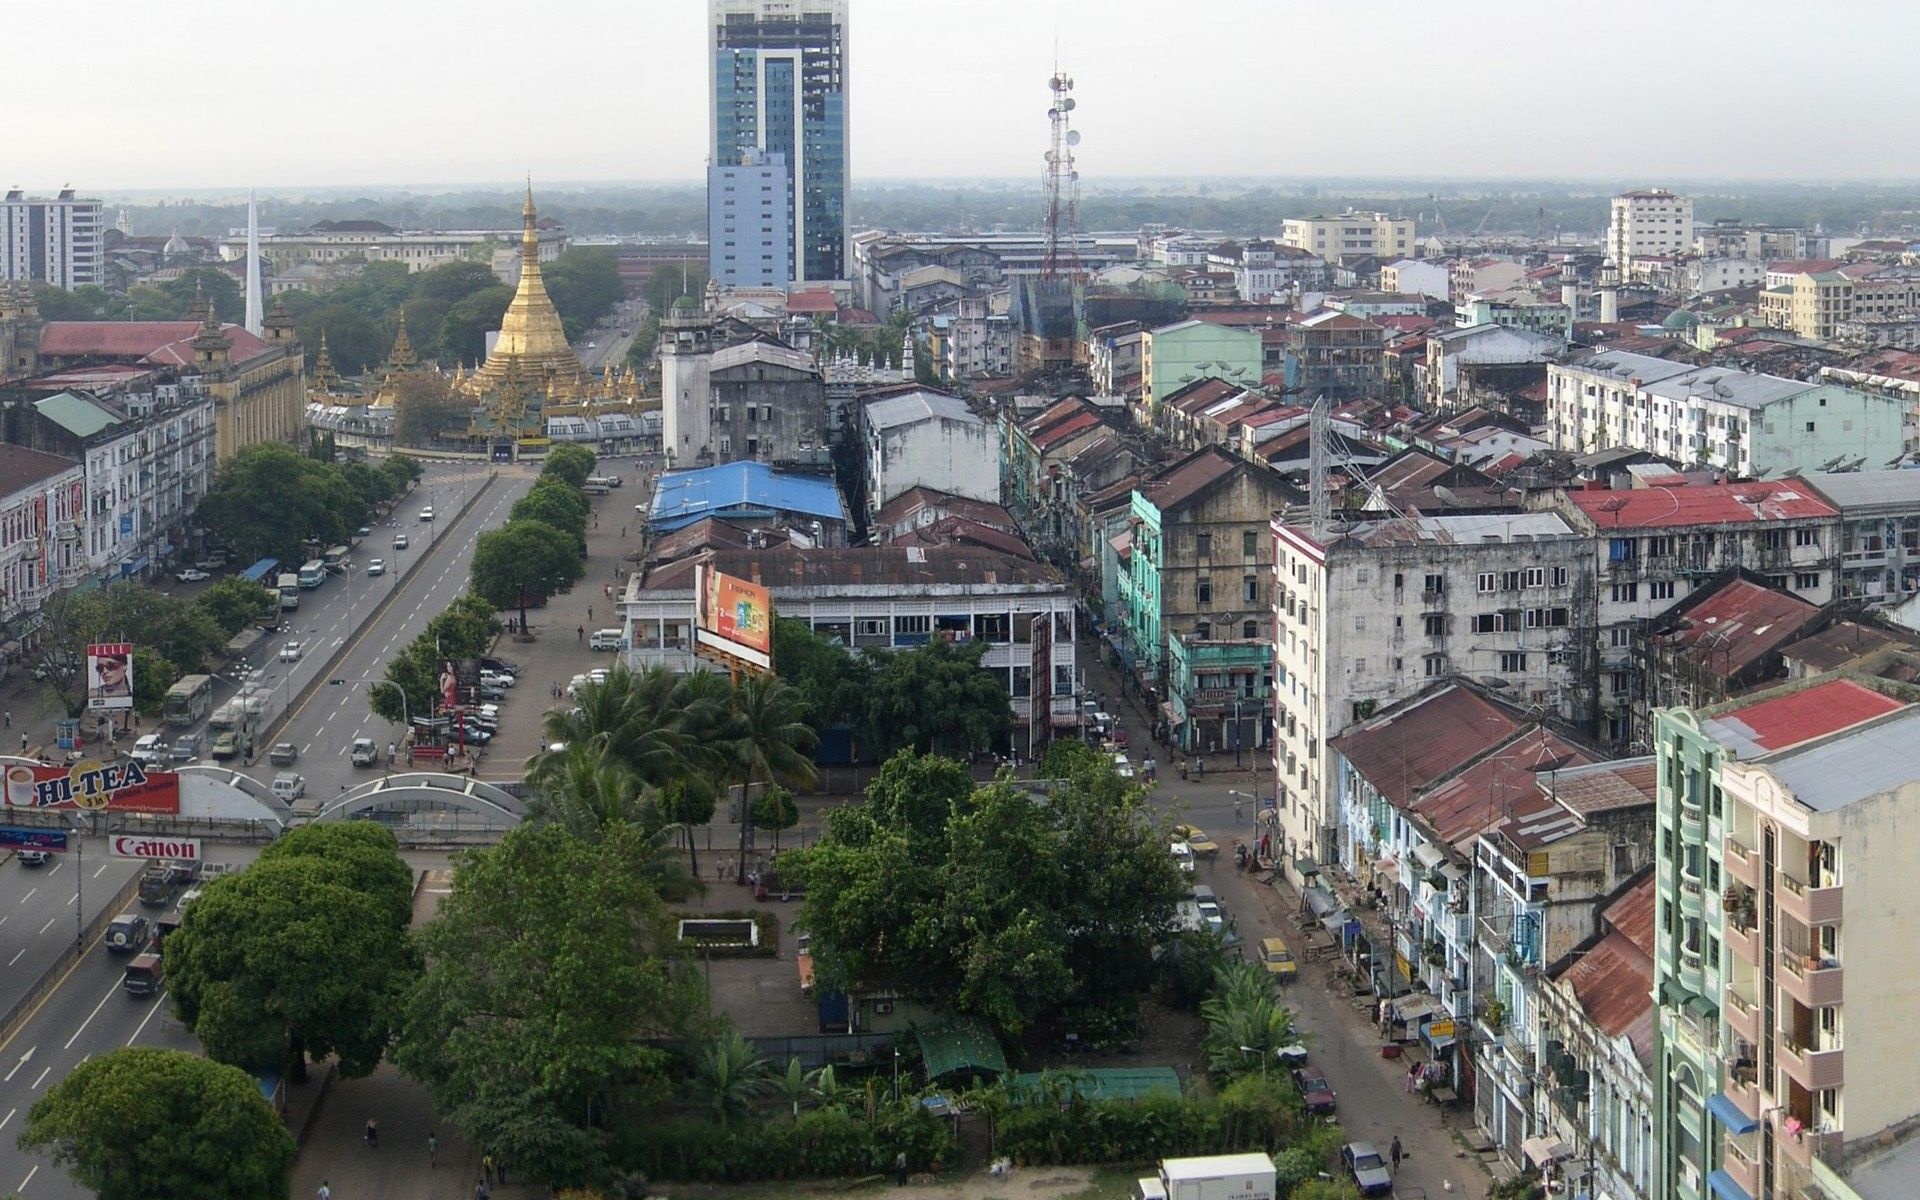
531	337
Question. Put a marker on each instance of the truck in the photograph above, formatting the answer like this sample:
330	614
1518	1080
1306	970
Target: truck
364	752
289	585
1213	1177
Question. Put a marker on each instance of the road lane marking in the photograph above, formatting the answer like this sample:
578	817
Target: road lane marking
47	926
72	900
41	1080
28	1179
8	1117
24	1059
16	956
90	1017
103	870
145	1019
29	895
56	870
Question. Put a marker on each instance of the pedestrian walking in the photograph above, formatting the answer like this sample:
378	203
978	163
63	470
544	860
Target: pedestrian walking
486	1167
23	743
480	1191
9	718
433	1150
580	631
325	1192
900	1168
500	1169
589	612
373	1126
1413	1077
1395	1152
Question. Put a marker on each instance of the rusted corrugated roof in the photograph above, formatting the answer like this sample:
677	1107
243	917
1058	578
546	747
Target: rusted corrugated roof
1838	645
1189	477
1614	983
905	567
1501	786
1632	914
1605	787
1735	626
1776	722
1402	751
1702	504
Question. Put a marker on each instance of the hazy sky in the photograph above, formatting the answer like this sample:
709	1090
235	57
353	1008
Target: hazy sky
139	95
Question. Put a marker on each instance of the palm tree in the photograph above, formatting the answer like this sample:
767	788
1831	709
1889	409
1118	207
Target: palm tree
636	713
771	744
732	1074
1245	1024
584	789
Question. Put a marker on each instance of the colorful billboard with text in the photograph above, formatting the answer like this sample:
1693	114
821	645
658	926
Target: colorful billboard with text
110	676
735	618
120	787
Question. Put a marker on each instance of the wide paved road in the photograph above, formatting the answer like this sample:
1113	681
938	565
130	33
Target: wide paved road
88	1014
37	906
324	726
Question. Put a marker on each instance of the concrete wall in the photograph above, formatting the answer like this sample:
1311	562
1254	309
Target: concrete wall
961	457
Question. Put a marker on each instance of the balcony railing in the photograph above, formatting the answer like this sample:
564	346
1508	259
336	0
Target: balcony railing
1812	1069
1743	1018
1807	904
1741	863
1814	982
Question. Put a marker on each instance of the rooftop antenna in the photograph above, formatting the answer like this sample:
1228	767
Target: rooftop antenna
1319	510
1062	183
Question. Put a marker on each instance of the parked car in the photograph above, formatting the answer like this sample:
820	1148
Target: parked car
1122	767
283	754
474	732
491	692
363	531
290	652
1314	1090
1369	1170
1278	959
503	665
495	678
376	566
1182	856
605	639
192	575
127	934
185	748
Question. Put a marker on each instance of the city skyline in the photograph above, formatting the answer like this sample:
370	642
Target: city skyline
1304	91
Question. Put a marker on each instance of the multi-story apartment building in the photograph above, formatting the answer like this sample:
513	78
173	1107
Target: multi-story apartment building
1731	238
1173	356
1785	843
1521	311
1459	360
1652	546
1879	545
750	221
980	341
1473	276
1412	277
769	404
1200	562
1368	612
1649	223
56	241
779	77
1113	358
1712	416
919	437
43	512
1815	299
1336	355
1351	233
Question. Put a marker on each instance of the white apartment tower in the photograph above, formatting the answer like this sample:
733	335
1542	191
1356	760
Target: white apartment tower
53	241
1649	223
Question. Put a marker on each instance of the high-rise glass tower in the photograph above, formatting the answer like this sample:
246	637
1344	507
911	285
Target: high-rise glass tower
779	73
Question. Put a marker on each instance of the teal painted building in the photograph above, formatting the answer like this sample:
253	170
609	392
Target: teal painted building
1219	690
1175	355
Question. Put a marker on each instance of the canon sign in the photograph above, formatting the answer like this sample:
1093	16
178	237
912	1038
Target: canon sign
179	849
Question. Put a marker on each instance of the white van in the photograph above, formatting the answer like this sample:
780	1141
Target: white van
606	639
150	750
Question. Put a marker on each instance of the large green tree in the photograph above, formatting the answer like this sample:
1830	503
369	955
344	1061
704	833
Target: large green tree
170	635
585	285
235	603
524	562
464	629
463	332
553	502
268	498
291	958
425	407
551	968
771	744
1028	911
140	1122
368	851
571	464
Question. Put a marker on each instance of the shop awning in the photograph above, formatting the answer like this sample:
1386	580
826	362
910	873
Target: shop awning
1335	921
1438	1033
1428	856
1319	900
1722	1185
1390	865
1545	1149
1306	866
1728	1113
1173	718
1416	1006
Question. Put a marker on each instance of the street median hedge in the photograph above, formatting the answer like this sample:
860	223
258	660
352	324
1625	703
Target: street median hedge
825	1143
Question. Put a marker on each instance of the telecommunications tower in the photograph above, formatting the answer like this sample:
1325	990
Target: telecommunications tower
1063	184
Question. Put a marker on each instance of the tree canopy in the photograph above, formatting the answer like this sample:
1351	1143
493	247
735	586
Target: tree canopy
425	407
268	498
140	1122
464	629
171	635
292	958
524	562
235	603
1027	911
369	852
571	464
550	965
554	502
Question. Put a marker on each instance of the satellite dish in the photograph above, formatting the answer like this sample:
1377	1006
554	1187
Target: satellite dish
1047	154
1446	495
1052	113
1067	104
1073	137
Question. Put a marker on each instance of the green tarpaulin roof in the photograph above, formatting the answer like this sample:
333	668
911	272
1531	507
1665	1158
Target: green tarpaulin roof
1110	1083
963	1045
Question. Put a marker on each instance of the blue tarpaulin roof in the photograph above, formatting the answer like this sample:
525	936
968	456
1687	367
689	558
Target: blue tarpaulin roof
741	489
1728	1113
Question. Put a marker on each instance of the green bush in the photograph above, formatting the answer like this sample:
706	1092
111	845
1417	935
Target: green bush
1251	1114
824	1143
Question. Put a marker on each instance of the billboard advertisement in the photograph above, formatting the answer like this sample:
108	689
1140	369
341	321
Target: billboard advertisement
179	849
110	676
735	618
119	787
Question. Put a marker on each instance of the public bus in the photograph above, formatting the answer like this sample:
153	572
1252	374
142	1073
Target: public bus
190	700
603	481
313	574
335	559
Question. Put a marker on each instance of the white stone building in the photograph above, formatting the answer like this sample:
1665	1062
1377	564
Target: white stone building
42	533
56	241
1375	610
1651	222
1413	277
1351	233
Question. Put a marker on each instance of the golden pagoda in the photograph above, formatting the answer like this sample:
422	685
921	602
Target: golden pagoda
400	360
531	352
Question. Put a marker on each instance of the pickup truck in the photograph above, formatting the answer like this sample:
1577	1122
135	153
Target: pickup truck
364	752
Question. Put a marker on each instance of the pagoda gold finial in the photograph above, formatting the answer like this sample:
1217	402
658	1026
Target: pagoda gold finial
529	236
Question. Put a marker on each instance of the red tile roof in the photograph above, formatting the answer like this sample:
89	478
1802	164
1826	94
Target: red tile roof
1736	626
164	342
813	300
1778	722
1062	431
1402	751
1188	478
1702	504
